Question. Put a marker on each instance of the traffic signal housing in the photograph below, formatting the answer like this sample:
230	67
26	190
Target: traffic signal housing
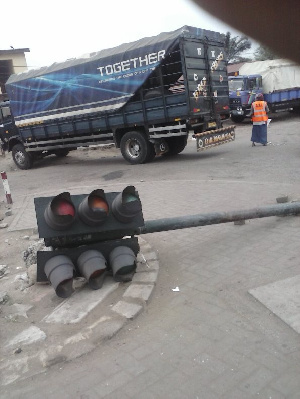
94	262
69	221
87	233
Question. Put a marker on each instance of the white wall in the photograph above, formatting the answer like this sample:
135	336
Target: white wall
18	61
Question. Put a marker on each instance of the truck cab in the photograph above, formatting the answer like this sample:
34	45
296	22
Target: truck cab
8	129
242	91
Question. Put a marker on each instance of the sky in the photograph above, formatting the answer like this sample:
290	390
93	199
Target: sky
61	29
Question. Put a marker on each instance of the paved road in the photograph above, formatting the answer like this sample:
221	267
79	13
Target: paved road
211	339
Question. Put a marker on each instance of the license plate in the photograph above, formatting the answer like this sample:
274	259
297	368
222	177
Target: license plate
211	124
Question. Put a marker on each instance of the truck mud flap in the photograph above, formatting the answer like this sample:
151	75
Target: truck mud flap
213	138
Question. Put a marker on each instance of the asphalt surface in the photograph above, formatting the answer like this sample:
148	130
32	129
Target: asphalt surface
223	332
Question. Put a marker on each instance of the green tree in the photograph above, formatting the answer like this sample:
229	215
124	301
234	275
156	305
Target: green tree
235	46
263	53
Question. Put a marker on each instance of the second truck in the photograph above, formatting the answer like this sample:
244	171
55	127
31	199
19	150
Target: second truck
145	97
278	80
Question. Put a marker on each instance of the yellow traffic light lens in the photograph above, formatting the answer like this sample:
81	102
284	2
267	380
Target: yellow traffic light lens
94	209
99	203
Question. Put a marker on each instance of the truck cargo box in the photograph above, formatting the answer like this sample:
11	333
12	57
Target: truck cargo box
99	82
276	75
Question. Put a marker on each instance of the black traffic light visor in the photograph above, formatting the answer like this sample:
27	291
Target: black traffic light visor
125	220
60	212
94	209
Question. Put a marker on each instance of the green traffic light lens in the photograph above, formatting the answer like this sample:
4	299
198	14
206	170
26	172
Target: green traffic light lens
130	198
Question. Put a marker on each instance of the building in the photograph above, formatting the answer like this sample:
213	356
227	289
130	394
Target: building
11	61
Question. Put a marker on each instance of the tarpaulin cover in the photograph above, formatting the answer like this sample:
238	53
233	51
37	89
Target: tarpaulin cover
276	75
99	82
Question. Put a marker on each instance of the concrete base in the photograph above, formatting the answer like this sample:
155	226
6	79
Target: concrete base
85	319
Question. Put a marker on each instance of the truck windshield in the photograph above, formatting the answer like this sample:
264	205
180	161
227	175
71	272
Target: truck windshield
254	83
5	115
236	84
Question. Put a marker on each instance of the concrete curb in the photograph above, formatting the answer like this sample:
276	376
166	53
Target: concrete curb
19	365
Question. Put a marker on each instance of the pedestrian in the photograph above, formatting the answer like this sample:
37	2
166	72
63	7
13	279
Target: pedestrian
259	110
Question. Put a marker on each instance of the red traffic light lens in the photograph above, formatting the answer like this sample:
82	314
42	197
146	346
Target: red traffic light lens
60	212
63	208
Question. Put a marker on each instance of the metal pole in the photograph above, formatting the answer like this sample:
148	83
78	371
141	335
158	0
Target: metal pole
183	222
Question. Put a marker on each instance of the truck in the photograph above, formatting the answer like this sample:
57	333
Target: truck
146	97
278	80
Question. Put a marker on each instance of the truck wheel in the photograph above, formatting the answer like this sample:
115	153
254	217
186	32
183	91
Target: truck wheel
237	118
136	149
63	152
22	159
176	144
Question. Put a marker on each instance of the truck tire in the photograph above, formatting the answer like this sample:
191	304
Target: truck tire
22	159
176	144
63	152
237	118
136	149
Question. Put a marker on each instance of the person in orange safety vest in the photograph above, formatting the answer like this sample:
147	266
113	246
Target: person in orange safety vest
259	116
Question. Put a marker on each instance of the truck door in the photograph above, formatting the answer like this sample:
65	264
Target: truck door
7	125
206	77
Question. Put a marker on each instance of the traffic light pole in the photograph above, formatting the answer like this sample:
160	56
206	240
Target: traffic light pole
183	222
87	233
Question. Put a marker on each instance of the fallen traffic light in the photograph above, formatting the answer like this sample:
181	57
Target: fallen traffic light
87	233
